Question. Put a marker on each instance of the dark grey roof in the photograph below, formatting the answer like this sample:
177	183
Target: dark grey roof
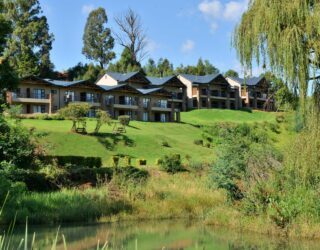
159	80
121	77
252	81
63	83
108	88
148	91
200	79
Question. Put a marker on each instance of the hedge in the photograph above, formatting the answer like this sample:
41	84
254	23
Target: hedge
75	161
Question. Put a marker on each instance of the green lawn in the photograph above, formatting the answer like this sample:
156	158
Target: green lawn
209	116
142	139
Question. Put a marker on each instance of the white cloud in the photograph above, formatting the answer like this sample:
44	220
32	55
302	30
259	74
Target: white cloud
187	46
234	9
215	11
87	8
211	9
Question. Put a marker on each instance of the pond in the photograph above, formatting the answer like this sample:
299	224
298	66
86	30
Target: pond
162	235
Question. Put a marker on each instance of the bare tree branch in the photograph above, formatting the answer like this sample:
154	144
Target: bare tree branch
132	35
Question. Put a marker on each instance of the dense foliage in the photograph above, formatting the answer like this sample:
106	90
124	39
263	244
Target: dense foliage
97	39
29	45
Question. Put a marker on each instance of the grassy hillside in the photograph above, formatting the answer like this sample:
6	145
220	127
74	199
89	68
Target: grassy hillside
209	116
142	140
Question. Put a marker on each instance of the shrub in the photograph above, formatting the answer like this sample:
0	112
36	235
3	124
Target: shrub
198	142
124	120
165	144
115	160
74	161
280	118
141	162
127	160
274	128
171	163
158	162
208	145
92	175
130	174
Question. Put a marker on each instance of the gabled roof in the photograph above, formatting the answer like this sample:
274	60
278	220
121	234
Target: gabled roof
63	83
159	80
119	86
200	79
253	81
121	77
148	91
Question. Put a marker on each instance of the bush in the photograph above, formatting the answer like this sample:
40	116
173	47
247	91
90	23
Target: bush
171	163
141	162
124	120
158	162
74	161
115	160
130	174
92	175
127	161
165	144
280	118
198	142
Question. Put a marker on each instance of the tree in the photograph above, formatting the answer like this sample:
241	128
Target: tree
97	40
125	64
202	68
8	79
77	113
151	68
28	48
286	35
284	98
102	118
164	68
132	36
231	73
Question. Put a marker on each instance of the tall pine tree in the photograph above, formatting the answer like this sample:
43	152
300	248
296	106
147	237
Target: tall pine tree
28	48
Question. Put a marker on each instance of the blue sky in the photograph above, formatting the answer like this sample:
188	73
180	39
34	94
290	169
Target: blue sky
180	30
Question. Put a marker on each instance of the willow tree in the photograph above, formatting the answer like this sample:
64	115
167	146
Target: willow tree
284	35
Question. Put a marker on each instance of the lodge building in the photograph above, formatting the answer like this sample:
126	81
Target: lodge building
141	97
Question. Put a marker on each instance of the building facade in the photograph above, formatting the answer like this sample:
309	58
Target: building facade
141	97
253	92
210	91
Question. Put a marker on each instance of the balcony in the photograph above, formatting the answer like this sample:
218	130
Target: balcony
94	102
123	104
161	107
176	97
30	98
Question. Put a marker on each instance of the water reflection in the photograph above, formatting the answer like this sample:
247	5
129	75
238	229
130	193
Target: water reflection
157	235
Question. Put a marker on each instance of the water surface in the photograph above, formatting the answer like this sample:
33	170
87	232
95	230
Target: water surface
154	235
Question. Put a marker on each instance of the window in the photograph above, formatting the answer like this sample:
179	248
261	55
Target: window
223	93
109	99
39	108
129	100
203	103
163	117
215	92
54	91
39	94
145	116
204	92
146	102
69	96
195	102
55	108
162	103
90	97
92	113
